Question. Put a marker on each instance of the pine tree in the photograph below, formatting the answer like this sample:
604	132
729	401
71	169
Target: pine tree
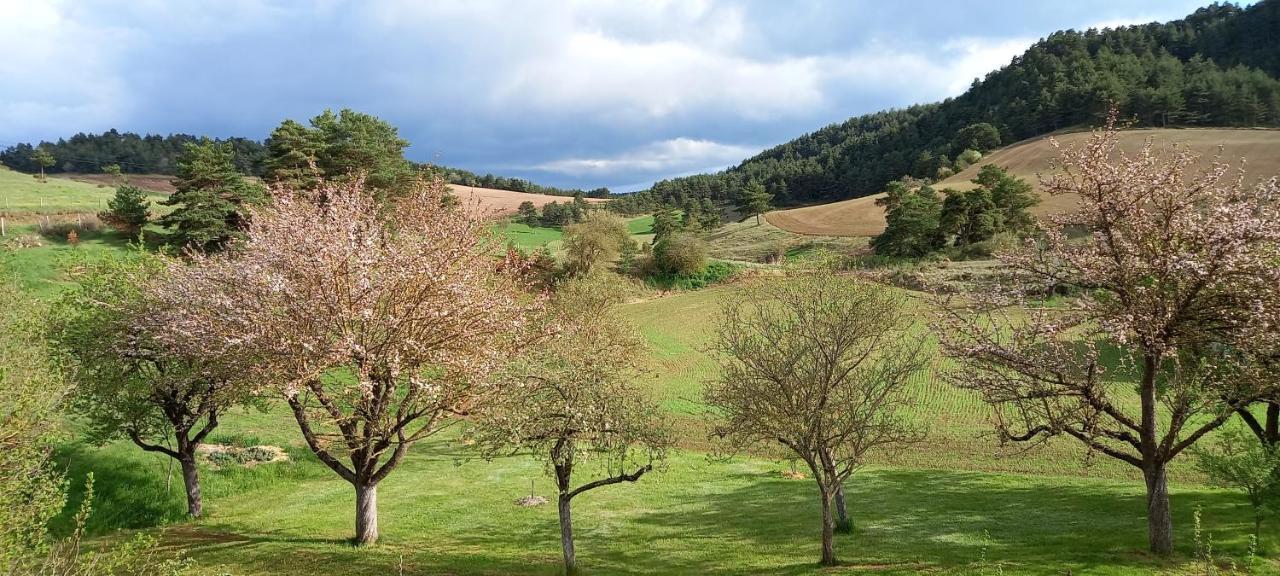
211	197
128	211
754	200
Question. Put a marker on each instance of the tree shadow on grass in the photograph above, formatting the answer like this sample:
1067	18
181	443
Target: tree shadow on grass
910	521
129	493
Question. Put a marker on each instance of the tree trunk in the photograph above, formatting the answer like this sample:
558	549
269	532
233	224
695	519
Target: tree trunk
191	479
1159	520
366	514
757	218
566	535
828	533
843	524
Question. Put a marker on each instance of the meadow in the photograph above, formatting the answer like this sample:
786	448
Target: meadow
954	504
23	196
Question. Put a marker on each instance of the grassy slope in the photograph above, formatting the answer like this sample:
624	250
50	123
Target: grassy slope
928	510
21	194
861	216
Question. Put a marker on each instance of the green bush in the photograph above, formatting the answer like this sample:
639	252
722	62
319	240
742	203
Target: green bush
680	254
712	273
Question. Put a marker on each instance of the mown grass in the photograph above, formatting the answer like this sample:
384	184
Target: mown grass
444	511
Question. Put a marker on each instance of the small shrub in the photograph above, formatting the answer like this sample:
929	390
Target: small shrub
259	454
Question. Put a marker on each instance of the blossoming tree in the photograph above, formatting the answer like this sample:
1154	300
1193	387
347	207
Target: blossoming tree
1177	273
378	322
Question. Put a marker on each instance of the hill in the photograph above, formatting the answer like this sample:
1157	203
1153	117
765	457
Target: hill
87	193
1026	159
23	194
1217	67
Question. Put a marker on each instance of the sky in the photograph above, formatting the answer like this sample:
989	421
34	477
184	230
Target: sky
568	93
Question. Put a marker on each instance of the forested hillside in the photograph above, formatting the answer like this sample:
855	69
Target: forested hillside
157	154
1216	67
133	153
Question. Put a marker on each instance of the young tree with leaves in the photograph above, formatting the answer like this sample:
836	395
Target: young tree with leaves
599	239
116	341
574	400
1179	264
754	200
377	322
32	490
818	363
1237	462
212	198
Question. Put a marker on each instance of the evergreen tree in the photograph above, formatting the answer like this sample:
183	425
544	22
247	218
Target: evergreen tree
1013	196
211	197
754	200
339	146
710	215
912	217
664	224
128	211
527	213
43	159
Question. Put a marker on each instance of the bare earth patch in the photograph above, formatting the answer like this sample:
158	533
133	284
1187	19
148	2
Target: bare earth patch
224	455
530	500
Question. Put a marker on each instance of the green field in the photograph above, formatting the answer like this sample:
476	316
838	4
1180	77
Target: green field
24	195
442	512
942	507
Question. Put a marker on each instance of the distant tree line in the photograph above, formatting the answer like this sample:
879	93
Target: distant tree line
156	154
1217	67
133	153
468	178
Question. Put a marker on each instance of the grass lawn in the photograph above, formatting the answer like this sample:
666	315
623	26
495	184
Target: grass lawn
444	513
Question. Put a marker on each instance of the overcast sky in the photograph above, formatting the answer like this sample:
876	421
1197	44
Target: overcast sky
569	93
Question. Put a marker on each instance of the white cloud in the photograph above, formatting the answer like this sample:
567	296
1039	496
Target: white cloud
666	156
974	57
591	72
60	71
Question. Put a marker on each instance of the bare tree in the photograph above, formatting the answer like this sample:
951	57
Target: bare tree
1179	265
573	400
378	322
818	363
129	380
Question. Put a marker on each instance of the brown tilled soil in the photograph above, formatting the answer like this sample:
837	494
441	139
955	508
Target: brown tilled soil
1026	159
505	202
153	182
